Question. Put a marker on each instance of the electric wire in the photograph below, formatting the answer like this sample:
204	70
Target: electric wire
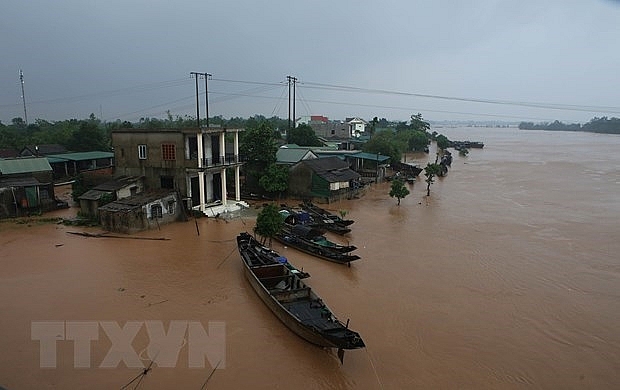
263	87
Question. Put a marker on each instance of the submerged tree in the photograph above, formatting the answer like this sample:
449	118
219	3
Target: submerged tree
430	171
268	222
398	190
258	145
275	179
442	142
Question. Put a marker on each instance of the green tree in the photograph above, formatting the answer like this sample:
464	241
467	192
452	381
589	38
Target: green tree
418	141
268	222
373	125
303	135
418	123
442	142
430	171
384	143
275	179
257	145
398	190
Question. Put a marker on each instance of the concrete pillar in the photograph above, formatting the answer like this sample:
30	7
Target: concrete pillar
201	186
224	195
237	185
200	150
222	147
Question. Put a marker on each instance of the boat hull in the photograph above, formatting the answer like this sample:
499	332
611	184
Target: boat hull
297	306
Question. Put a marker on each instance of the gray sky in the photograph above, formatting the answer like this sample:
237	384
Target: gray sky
126	59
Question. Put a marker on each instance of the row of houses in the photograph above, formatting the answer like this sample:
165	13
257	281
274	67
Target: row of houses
161	173
27	181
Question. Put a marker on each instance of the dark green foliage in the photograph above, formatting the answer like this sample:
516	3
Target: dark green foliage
384	143
418	141
595	125
258	146
419	124
303	135
398	190
268	222
275	179
442	141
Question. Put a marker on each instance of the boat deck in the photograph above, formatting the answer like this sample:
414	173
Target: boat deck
312	312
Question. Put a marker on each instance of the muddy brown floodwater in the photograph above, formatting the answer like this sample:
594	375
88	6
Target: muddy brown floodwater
508	276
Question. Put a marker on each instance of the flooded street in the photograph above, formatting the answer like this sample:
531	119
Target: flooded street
508	276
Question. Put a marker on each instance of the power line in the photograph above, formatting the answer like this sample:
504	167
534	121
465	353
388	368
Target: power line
261	87
553	106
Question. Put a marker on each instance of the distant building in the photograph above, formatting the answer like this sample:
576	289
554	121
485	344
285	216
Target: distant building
334	129
356	127
42	150
194	162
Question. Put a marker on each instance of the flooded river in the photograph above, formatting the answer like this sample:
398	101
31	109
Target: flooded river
508	276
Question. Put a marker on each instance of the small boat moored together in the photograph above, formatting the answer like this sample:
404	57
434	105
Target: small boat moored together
311	241
295	303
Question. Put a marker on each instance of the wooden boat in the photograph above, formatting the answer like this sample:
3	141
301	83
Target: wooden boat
295	303
313	242
319	212
302	217
260	255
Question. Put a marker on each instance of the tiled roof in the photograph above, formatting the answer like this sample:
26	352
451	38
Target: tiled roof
332	169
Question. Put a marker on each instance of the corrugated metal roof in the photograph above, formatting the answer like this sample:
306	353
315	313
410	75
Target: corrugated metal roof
293	155
371	156
81	156
24	165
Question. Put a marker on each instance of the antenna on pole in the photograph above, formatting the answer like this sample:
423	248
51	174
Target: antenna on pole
21	79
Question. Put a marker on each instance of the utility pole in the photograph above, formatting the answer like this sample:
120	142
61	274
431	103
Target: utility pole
291	81
200	75
207	76
21	79
195	75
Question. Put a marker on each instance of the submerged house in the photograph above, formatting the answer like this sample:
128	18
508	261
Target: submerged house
323	179
115	189
201	164
141	212
25	186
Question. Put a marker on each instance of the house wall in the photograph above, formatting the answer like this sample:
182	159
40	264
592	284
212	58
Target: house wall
142	218
154	166
126	191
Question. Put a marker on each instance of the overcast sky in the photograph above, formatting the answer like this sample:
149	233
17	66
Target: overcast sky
535	60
